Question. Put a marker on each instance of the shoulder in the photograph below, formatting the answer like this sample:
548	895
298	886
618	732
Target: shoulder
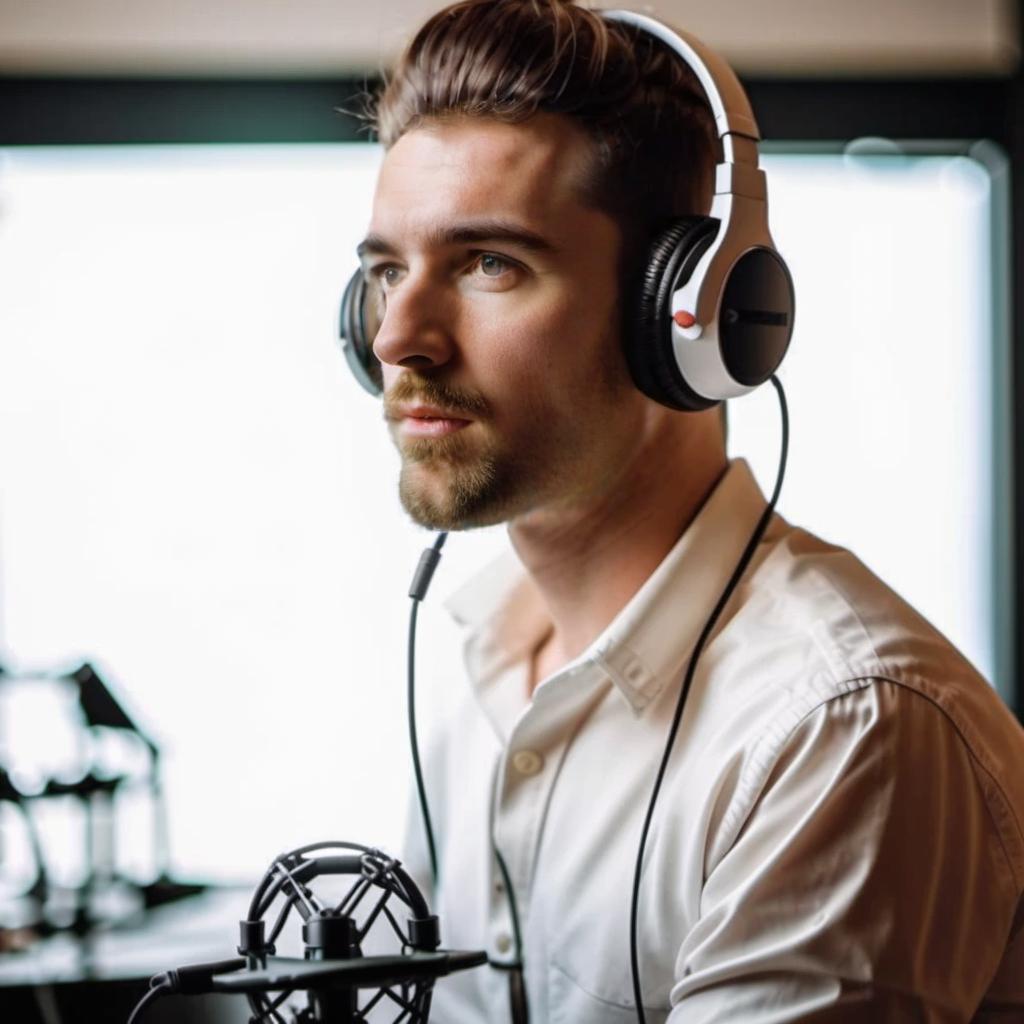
842	671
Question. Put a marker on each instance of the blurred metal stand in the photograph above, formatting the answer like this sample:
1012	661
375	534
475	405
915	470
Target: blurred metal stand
104	896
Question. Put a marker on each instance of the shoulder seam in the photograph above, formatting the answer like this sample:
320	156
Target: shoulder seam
1016	864
767	751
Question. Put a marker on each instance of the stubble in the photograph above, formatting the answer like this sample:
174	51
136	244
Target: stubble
455	482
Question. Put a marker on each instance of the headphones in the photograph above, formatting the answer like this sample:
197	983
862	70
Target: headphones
714	314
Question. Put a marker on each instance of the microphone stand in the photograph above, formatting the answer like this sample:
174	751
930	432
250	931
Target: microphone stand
333	971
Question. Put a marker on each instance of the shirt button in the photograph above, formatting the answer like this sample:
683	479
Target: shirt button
527	762
503	943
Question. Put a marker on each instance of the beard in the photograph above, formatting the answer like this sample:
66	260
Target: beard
465	491
455	482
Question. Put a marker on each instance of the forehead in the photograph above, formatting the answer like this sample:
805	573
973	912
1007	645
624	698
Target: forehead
530	173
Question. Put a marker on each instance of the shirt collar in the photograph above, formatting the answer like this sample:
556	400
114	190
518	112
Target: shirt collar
646	644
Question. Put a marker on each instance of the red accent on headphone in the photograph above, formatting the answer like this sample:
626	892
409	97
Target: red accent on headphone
684	319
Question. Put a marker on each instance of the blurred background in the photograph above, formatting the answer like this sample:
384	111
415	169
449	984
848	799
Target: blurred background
203	564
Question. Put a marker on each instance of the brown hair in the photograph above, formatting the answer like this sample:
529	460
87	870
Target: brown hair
654	135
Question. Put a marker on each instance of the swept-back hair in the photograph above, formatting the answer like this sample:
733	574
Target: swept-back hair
655	144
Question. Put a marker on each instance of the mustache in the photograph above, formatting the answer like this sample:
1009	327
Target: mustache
411	388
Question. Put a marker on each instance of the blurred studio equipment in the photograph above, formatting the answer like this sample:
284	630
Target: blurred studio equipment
73	766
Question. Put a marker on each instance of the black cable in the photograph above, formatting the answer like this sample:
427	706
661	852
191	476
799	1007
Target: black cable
417	591
741	567
519	1007
513	911
428	827
151	996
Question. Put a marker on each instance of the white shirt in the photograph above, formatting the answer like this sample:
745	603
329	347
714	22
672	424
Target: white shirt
838	837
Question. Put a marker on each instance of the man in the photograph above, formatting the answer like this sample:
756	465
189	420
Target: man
839	832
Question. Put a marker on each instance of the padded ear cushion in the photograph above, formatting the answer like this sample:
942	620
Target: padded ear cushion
357	327
674	254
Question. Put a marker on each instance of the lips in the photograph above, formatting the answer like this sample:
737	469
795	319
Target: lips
427	421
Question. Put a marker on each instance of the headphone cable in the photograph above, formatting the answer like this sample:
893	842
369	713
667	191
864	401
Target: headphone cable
417	591
152	994
741	567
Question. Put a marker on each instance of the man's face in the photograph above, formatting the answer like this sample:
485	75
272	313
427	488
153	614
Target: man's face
506	391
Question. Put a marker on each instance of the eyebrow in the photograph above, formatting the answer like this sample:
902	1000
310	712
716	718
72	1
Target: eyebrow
463	234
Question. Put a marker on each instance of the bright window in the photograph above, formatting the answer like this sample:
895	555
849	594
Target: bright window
195	495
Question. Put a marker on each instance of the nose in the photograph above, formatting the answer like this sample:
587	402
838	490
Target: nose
414	331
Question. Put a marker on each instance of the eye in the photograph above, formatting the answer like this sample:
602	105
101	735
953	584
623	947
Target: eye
499	272
384	274
491	265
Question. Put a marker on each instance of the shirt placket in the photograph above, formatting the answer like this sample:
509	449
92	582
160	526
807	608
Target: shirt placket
522	788
525	777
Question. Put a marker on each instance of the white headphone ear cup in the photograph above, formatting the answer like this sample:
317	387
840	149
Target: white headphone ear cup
357	327
648	333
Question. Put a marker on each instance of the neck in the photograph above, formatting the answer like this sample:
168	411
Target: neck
590	559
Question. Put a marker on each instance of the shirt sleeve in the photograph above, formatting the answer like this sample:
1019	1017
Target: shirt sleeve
868	881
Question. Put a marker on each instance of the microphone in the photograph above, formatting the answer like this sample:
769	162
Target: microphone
340	984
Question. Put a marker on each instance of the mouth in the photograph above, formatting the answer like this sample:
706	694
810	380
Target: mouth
427	421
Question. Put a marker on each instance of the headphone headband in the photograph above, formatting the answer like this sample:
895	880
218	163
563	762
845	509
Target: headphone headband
725	95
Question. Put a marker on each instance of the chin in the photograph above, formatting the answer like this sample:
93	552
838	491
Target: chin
456	497
440	516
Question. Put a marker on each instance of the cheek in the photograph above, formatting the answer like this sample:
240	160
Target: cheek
542	345
522	369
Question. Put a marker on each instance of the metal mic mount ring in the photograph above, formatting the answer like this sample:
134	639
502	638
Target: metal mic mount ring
333	933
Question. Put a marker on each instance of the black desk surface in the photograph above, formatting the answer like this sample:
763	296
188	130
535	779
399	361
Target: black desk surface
62	980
